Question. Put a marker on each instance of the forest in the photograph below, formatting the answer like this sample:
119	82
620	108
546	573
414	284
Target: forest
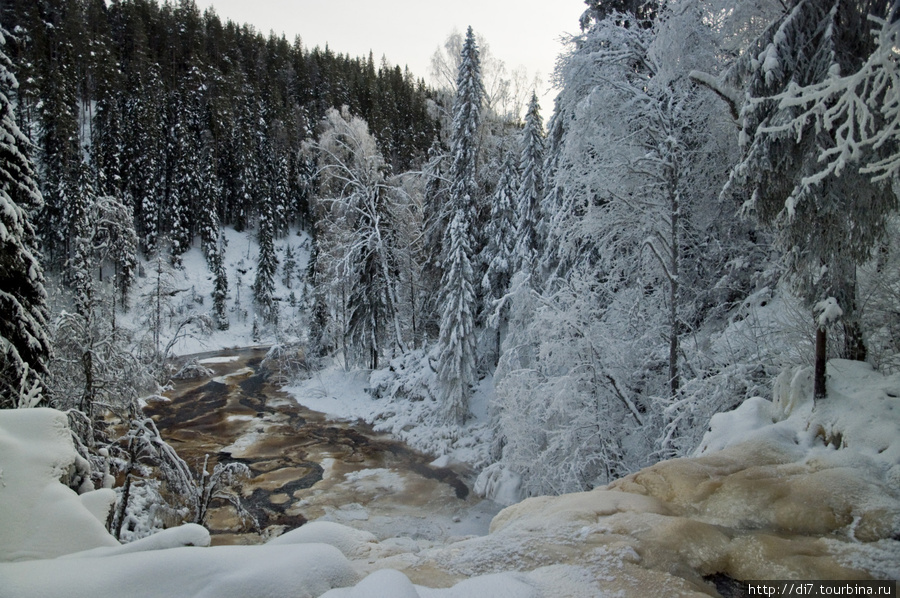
713	201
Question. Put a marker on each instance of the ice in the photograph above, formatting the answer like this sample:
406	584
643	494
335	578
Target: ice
220	359
499	484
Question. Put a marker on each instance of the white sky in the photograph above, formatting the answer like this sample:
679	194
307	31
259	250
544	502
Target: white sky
407	32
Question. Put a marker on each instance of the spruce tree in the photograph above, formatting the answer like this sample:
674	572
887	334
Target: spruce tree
220	291
24	342
800	169
531	188
289	269
267	265
498	254
456	343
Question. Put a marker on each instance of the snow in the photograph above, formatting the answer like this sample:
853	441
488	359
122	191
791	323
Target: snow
195	283
39	516
349	396
829	311
351	542
781	489
293	571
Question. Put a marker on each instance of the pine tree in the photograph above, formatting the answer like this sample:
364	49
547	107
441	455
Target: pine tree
531	188
24	342
456	343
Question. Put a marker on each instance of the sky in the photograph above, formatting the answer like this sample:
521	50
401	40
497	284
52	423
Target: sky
407	32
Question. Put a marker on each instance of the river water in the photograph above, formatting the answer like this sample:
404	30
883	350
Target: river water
305	467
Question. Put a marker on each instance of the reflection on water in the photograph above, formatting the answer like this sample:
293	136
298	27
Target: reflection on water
306	467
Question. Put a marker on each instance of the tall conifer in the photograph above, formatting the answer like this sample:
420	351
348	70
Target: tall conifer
456	342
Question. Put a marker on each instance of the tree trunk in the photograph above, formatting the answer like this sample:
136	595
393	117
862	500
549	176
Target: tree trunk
854	345
819	381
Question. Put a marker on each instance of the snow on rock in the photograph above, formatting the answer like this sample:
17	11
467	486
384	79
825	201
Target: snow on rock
39	516
351	542
384	582
499	484
388	582
291	571
189	534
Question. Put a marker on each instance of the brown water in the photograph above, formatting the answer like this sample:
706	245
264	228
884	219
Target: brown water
305	467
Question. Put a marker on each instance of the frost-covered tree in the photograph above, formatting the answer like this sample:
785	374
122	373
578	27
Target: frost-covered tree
353	241
93	364
289	268
818	129
637	242
456	343
531	188
498	254
24	341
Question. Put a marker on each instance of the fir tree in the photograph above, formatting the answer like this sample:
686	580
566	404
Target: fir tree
24	342
220	291
531	188
498	254
289	269
264	284
800	172
456	343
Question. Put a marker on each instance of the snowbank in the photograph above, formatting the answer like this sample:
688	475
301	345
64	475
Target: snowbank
39	516
293	571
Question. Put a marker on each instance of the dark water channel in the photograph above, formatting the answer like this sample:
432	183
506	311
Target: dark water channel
306	467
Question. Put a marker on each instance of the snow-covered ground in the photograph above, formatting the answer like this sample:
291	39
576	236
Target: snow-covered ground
781	489
417	422
194	284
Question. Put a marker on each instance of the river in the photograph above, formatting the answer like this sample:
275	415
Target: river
306	467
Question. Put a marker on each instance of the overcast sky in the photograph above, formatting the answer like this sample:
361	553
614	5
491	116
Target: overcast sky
407	32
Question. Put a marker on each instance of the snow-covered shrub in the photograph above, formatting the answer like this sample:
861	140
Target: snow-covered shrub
286	363
192	370
151	468
411	376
